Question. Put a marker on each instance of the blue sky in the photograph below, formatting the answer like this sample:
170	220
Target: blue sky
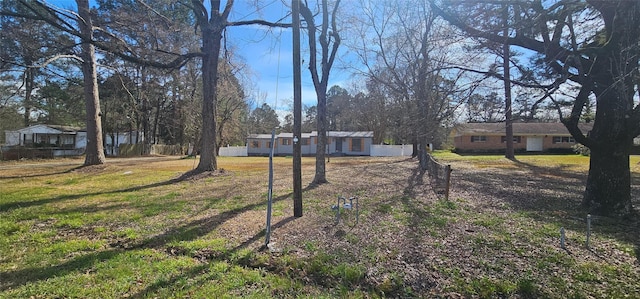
268	52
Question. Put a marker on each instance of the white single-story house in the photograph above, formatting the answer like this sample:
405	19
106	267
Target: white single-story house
55	139
338	143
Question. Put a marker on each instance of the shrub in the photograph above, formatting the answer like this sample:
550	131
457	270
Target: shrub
581	149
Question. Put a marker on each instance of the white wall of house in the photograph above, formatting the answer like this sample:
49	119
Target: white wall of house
63	142
12	138
81	140
339	143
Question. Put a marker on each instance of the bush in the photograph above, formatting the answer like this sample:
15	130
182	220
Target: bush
581	149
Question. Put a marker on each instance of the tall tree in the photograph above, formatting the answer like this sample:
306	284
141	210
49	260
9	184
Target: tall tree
211	21
594	44
506	56
329	40
232	108
79	25
61	102
339	109
94	154
10	118
263	120
407	54
485	108
27	51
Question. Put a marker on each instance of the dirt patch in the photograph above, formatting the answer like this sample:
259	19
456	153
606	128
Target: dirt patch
498	227
93	169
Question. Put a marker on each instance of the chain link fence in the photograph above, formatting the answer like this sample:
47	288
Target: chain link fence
439	176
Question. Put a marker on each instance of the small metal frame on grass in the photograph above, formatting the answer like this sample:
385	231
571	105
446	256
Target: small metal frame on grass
347	206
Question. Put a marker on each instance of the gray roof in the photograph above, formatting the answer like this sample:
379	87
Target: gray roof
59	128
361	134
518	129
260	136
66	128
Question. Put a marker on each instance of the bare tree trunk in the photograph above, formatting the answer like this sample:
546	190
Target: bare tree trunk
609	182
211	42
509	154
608	188
321	125
329	40
95	148
159	105
29	75
220	139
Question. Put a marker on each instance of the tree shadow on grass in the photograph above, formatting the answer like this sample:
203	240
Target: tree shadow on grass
546	194
8	177
184	177
198	270
187	232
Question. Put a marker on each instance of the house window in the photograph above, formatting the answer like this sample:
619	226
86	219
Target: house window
255	144
67	141
46	140
516	139
481	138
563	139
304	141
268	144
286	141
356	144
28	139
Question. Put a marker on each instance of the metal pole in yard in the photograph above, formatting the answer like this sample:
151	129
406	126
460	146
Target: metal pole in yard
270	192
448	181
297	111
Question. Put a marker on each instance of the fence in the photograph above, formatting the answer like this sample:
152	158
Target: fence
233	151
391	150
132	150
17	153
439	175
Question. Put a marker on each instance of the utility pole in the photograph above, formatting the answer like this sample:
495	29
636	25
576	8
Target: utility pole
297	111
509	154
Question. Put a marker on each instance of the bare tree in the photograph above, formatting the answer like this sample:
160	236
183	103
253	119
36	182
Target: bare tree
408	53
329	40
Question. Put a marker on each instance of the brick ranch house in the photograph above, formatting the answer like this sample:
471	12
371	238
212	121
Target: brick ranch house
527	137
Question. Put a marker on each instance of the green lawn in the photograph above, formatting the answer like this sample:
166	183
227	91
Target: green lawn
131	230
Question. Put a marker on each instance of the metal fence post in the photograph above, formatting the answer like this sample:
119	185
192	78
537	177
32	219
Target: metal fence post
448	181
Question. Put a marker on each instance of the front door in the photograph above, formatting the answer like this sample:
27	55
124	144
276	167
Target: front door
338	145
534	144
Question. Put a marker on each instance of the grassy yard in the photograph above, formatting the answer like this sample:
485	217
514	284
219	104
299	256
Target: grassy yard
134	228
